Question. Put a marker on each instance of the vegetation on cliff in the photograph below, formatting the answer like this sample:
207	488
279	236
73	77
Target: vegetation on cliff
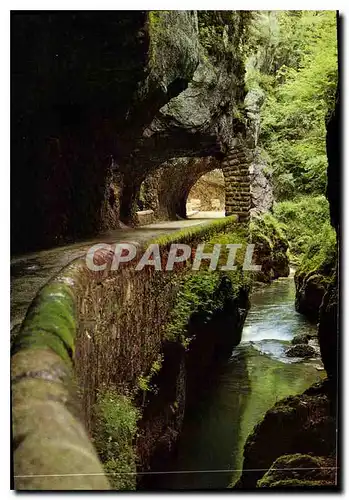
303	220
271	247
295	64
313	248
204	293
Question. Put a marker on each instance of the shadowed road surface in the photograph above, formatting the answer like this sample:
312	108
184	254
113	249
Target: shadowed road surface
31	271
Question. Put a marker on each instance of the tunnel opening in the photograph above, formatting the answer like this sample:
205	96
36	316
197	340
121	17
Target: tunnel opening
207	195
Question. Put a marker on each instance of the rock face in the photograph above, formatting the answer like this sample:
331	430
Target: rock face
300	424
115	96
310	291
262	198
261	189
329	311
328	331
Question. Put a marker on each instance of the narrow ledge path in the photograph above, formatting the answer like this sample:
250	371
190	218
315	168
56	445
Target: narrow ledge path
31	271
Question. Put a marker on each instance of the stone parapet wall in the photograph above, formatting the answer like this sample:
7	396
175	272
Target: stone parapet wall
83	332
145	217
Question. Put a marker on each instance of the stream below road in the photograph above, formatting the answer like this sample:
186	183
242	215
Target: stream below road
258	374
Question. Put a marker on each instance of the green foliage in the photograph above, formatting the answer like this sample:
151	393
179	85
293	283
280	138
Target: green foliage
312	239
202	293
223	33
237	234
206	292
305	219
294	61
144	381
271	247
114	430
321	253
268	229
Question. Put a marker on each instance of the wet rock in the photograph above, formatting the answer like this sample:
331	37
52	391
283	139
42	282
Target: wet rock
328	330
310	290
303	338
301	351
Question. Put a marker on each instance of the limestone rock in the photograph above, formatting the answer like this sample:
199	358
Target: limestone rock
262	198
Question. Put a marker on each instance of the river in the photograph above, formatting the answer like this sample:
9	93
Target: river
210	449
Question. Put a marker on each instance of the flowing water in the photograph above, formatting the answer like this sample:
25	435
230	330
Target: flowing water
210	450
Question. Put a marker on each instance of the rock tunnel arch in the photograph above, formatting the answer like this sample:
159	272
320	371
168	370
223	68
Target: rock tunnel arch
166	189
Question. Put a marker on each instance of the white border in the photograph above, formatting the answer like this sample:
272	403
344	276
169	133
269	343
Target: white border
5	7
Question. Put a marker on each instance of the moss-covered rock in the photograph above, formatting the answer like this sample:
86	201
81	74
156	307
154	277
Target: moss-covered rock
315	273
302	338
301	351
300	471
270	247
304	424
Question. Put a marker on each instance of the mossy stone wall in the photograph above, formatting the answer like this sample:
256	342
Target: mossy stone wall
84	332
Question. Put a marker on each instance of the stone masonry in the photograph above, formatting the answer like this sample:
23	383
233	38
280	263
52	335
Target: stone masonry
235	168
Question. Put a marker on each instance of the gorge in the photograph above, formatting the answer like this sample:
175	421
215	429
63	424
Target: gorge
144	379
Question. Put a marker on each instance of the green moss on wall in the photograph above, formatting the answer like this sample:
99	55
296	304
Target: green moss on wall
50	321
198	233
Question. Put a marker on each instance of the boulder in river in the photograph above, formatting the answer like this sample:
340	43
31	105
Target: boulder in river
302	338
303	424
301	351
300	471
